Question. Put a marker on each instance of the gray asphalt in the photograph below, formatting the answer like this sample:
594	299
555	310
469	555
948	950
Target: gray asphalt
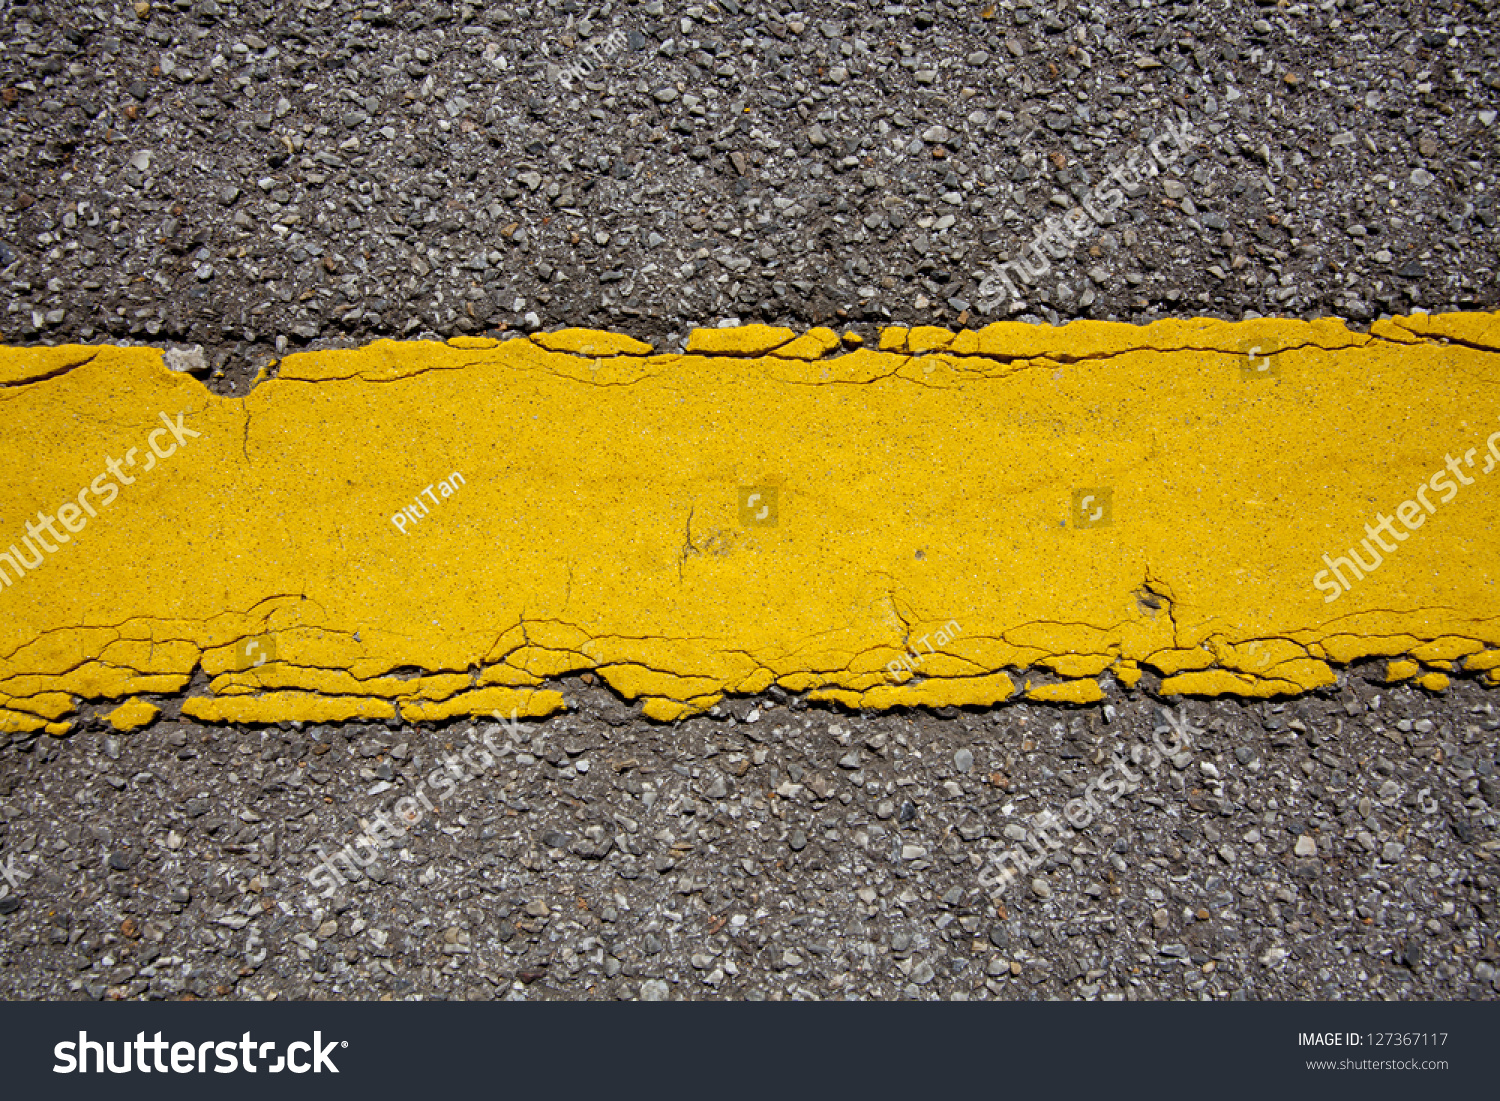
257	178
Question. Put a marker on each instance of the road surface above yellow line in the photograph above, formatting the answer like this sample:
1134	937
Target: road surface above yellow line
426	531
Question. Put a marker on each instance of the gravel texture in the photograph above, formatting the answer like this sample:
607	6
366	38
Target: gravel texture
1340	846
256	178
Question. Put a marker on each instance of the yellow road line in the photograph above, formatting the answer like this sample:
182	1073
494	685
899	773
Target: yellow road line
434	530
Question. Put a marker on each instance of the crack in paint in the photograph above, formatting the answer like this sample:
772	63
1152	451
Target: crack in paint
47	376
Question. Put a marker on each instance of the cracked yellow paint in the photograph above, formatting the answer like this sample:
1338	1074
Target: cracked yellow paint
1489	659
813	344
590	342
742	341
18	722
132	715
763	509
1401	670
1434	682
1447	649
1078	665
1073	691
276	706
982	691
486	701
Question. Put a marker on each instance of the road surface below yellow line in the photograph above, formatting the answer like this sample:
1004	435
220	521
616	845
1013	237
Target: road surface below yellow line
426	531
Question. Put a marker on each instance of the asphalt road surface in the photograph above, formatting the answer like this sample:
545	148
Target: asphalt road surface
262	178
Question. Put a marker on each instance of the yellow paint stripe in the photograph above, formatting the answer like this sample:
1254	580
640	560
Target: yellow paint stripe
435	530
